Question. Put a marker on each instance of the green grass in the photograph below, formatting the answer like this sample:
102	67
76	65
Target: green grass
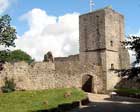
28	101
129	91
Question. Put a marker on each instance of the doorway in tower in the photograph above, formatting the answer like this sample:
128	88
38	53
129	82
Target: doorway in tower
87	83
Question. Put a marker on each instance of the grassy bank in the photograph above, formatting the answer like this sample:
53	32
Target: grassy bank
28	101
128	92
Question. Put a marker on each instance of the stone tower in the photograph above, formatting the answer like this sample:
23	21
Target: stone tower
101	33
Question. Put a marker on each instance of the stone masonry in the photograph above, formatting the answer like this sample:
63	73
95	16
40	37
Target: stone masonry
46	75
101	33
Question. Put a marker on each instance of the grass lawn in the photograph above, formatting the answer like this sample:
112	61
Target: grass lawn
27	101
129	91
134	93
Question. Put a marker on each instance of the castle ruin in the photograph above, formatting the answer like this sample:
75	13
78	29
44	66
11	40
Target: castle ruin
101	33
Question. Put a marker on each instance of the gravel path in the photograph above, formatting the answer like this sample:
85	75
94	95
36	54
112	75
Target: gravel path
103	103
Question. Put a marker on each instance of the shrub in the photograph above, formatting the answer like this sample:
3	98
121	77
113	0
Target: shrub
9	85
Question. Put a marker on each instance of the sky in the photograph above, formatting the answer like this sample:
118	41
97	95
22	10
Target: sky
53	25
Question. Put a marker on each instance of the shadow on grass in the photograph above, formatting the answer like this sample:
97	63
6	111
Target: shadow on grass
67	106
99	107
116	104
96	107
62	108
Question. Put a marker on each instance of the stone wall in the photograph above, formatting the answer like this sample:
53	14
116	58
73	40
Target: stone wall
70	74
69	58
124	59
131	83
45	75
92	36
116	55
29	77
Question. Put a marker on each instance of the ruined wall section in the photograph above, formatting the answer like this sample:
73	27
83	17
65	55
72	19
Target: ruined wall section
131	83
70	74
46	75
29	77
69	58
42	75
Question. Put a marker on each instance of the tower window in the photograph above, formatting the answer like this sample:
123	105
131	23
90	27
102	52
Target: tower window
85	19
112	66
97	16
111	43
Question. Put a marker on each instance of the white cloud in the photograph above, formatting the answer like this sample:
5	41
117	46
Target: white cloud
49	33
4	4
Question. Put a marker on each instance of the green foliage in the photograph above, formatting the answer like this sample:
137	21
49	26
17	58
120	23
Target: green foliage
19	55
15	56
9	86
129	91
7	32
4	55
7	36
25	101
132	43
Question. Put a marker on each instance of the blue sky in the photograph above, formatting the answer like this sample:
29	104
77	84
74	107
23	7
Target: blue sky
48	22
129	8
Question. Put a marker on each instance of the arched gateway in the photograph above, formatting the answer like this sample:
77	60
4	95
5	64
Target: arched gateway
87	83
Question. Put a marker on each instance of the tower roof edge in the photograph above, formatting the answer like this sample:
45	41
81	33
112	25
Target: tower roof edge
108	8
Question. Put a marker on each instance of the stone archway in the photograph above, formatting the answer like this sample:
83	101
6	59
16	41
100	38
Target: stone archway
87	83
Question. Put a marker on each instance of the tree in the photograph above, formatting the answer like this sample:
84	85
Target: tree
18	55
132	43
4	54
7	36
7	32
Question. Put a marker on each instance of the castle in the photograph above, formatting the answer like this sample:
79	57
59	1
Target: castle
100	35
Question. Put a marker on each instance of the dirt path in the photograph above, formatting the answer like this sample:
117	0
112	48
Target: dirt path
103	103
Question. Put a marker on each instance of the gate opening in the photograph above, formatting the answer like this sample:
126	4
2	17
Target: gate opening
87	83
